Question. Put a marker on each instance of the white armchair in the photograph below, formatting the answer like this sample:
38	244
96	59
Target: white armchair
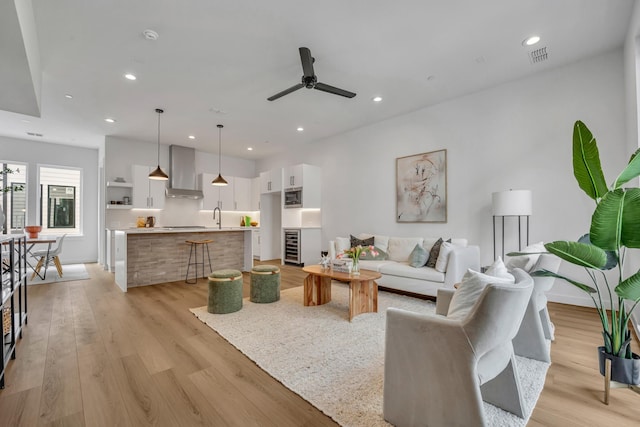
438	370
536	328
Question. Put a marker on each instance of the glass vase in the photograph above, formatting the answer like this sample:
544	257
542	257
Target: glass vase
355	270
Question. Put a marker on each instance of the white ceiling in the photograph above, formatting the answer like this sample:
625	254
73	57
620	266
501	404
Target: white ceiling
217	62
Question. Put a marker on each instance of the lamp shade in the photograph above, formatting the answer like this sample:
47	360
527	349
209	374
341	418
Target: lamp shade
512	203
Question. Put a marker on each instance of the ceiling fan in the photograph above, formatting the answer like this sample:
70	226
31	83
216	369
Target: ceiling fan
310	80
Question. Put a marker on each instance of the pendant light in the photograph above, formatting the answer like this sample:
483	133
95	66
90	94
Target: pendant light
158	173
219	181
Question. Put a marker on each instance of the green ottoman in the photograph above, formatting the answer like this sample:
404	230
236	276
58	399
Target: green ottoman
265	283
225	291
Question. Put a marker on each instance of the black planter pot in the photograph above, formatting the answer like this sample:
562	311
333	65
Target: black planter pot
626	371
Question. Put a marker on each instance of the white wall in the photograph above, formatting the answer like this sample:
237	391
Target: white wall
76	248
517	135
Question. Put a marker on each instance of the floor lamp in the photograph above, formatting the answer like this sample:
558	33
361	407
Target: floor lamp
512	203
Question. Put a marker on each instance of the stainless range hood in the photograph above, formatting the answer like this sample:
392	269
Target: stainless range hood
183	173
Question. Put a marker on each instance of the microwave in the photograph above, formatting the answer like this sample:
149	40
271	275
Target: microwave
293	197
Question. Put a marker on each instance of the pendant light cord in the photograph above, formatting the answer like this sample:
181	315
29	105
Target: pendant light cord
159	112
220	150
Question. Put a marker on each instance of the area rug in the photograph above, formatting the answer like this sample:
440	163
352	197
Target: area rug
334	364
69	272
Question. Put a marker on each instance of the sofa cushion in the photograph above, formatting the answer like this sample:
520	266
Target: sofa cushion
374	265
443	257
367	255
401	247
342	244
468	292
526	262
361	242
403	269
418	256
498	269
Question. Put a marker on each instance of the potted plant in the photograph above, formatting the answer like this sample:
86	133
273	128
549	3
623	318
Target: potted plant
615	226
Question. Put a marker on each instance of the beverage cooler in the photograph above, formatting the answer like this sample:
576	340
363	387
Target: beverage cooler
292	246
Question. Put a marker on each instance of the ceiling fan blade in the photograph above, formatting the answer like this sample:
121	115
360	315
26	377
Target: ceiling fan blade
285	92
334	90
307	61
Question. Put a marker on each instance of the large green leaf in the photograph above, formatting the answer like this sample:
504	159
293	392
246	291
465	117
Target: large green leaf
582	254
612	258
631	218
547	273
586	162
631	171
630	288
606	222
616	220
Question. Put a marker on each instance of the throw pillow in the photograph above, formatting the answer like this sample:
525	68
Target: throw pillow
443	257
468	292
342	244
362	242
418	256
498	269
434	252
526	262
368	256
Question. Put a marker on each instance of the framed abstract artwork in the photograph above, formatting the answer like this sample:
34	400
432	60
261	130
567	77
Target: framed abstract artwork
421	187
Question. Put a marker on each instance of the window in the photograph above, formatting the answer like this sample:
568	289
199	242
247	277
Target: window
60	190
13	202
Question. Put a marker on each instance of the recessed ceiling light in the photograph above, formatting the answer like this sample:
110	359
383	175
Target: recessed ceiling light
109	120
130	76
530	41
150	35
300	129
68	96
431	77
249	148
192	137
377	98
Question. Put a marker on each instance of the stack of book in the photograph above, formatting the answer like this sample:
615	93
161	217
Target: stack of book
342	264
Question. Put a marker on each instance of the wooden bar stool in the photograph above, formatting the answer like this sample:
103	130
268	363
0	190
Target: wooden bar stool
193	252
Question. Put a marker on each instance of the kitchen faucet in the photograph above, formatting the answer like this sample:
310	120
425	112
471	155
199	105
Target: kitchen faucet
219	216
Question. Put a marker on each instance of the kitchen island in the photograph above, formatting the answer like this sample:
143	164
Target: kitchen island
147	256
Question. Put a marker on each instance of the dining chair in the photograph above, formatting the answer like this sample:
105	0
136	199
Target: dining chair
47	257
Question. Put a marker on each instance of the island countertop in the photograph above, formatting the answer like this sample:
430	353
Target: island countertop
148	256
146	230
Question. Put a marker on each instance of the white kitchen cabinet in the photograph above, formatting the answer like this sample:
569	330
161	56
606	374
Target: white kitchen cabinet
307	177
217	196
147	193
227	201
255	194
271	181
293	176
210	192
242	193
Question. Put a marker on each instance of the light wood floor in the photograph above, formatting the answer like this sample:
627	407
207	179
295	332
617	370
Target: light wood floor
94	356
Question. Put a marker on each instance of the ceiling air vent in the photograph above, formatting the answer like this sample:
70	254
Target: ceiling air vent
538	55
34	134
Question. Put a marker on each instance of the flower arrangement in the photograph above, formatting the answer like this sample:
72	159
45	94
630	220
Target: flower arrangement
355	253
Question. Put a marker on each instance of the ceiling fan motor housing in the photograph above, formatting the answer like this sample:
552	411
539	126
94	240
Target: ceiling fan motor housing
309	81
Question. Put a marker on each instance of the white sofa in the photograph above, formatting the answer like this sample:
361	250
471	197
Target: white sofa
398	274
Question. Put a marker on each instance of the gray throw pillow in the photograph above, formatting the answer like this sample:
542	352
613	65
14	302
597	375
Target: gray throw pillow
418	256
362	242
368	256
434	253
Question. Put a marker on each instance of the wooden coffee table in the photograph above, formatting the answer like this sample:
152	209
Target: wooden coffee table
363	290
